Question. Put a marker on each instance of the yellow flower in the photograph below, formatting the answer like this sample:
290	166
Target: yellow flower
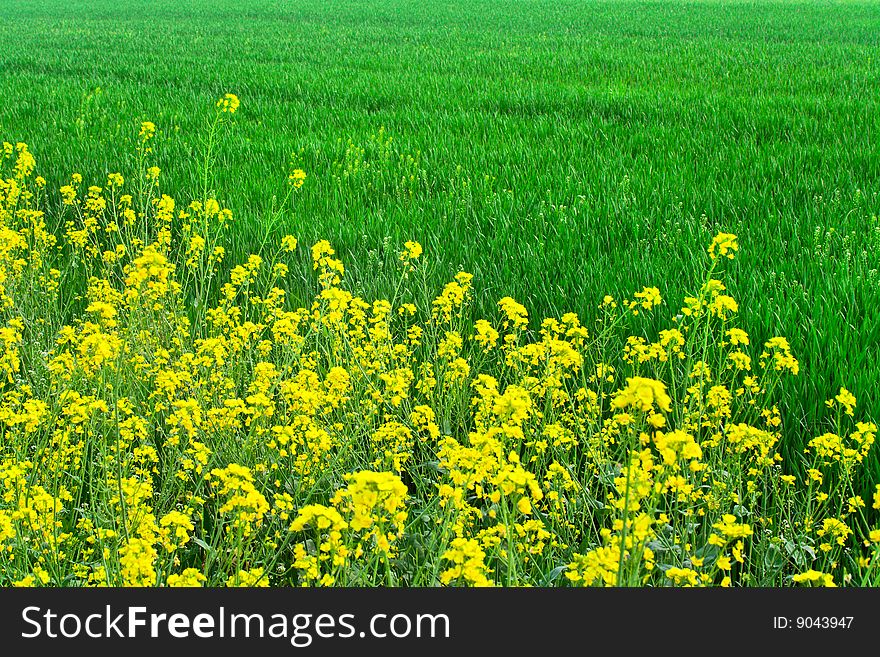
228	103
411	251
650	297
189	578
723	244
814	578
730	527
643	394
320	517
516	315
468	564
137	558
288	243
254	577
147	132
244	504
374	501
485	335
297	178
847	400
175	528
683	576
738	336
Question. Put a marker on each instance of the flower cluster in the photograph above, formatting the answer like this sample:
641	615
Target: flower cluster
177	419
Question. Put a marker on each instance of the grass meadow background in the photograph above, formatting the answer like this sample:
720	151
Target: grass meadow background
557	150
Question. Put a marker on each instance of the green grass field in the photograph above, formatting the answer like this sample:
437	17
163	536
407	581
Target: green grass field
559	151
